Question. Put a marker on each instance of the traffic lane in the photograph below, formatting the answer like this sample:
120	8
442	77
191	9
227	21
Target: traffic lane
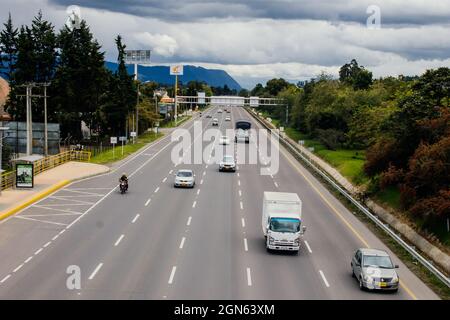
205	266
328	238
22	233
275	275
117	208
136	268
352	233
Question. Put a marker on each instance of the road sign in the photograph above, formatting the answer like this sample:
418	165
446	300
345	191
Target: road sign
176	70
113	140
122	139
133	134
201	97
137	56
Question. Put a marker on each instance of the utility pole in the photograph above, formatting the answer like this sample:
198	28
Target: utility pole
176	104
29	94
287	114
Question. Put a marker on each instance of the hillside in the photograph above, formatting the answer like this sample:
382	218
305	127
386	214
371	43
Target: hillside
160	74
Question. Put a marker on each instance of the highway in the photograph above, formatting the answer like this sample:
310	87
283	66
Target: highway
158	242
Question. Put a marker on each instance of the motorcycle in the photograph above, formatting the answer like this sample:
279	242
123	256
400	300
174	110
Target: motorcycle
123	187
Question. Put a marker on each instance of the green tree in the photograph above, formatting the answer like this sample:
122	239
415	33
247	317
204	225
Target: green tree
8	49
80	81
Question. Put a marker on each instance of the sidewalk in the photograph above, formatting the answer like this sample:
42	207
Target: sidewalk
13	200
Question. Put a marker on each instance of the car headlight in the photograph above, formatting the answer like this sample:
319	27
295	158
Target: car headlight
297	241
271	240
395	279
368	278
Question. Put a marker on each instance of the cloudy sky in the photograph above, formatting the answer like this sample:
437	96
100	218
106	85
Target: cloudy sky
256	40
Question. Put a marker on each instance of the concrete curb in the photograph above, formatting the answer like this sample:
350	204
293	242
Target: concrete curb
34	199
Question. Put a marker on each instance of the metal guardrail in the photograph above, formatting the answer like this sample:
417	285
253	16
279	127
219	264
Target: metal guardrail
8	178
427	264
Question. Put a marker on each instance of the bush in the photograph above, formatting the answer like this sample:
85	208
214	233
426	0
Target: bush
378	156
392	176
330	138
433	209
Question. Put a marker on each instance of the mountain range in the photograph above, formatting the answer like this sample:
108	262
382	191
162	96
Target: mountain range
161	74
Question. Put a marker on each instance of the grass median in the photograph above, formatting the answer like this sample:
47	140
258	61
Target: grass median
171	124
110	156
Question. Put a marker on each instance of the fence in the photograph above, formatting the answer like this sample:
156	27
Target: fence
8	178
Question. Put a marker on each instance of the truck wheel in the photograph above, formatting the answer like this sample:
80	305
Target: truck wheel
361	285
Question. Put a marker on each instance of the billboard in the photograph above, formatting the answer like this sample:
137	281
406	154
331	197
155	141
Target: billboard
24	175
176	70
201	98
137	56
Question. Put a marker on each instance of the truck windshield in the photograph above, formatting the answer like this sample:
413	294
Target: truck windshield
284	225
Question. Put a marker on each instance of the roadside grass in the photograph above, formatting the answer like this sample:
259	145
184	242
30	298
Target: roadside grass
348	162
171	124
390	196
108	156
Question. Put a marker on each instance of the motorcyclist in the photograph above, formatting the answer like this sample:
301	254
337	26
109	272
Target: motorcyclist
124	178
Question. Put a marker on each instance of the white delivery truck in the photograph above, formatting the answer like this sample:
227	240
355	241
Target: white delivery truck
282	221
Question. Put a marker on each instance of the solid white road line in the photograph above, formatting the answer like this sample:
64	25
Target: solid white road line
182	242
249	277
307	246
5	278
95	271
118	240
245	244
148	201
135	218
172	274
324	279
189	221
194	204
243	223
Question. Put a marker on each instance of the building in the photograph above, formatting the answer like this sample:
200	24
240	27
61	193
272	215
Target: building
4	92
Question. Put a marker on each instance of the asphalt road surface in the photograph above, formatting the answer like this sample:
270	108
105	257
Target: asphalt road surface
158	242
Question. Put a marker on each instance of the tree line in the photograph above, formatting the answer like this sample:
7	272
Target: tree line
402	123
72	61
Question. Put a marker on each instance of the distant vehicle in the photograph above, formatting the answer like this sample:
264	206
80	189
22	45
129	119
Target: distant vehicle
200	114
228	111
215	122
184	178
224	140
209	116
227	164
219	111
374	270
227	119
242	132
282	221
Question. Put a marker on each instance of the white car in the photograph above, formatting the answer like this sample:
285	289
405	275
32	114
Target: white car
224	140
184	178
219	111
227	164
215	122
227	119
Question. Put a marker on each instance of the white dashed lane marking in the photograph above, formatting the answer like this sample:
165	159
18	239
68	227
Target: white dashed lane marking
95	271
135	218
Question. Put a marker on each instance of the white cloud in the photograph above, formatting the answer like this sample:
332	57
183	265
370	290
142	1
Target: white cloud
161	44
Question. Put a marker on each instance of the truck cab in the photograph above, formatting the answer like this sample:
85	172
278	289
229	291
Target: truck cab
282	221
